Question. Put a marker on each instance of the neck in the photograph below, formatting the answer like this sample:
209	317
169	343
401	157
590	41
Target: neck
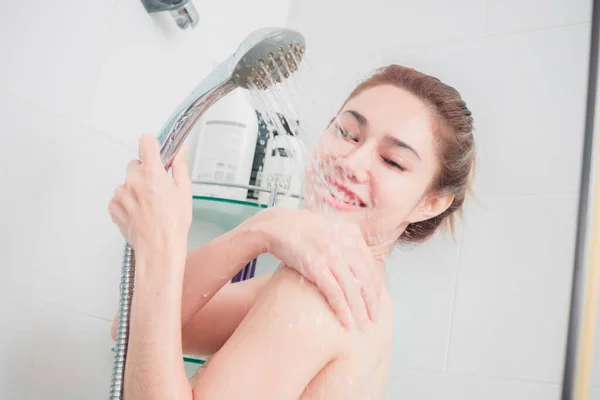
382	244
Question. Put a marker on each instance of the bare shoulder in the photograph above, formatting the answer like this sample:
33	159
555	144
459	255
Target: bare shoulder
290	327
290	293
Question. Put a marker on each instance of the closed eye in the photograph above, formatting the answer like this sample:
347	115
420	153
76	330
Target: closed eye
393	164
346	134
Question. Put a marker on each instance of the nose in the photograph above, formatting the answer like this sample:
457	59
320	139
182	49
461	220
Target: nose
355	165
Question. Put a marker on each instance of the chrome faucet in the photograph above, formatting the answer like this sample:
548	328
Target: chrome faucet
183	11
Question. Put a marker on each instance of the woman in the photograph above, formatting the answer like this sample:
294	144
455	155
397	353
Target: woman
395	164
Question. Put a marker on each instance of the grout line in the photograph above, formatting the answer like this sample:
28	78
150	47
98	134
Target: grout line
61	307
68	119
538	29
486	18
439	44
520	380
453	306
481	377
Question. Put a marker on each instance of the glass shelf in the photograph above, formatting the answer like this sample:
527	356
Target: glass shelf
230	201
193	360
213	216
186	359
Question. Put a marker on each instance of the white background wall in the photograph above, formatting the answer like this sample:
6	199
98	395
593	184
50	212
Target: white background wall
484	318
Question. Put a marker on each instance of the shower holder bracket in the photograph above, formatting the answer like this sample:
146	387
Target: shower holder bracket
183	11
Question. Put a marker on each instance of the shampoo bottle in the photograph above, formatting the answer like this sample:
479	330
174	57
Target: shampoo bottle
226	140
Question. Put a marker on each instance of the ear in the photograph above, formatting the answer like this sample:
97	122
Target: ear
430	207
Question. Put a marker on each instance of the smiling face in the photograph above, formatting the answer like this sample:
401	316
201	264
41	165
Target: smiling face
375	163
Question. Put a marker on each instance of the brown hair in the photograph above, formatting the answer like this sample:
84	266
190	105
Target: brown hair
453	126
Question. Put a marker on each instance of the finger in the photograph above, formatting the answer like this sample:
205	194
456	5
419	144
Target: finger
352	292
117	212
148	151
131	166
332	291
179	169
360	269
124	198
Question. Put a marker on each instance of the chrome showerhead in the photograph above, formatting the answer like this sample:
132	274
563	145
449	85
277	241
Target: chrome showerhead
266	56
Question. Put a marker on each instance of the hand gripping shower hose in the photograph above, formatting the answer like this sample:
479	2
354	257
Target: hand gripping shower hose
266	56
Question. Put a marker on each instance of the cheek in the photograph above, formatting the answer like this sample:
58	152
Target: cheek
395	197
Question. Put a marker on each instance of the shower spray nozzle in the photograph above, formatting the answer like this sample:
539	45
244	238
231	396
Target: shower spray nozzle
267	56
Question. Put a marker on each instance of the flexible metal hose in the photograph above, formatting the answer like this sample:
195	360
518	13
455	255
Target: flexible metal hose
126	295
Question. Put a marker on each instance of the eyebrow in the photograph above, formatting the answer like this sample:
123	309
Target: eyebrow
362	120
399	143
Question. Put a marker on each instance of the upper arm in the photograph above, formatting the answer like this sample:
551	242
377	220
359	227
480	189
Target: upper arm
288	336
211	326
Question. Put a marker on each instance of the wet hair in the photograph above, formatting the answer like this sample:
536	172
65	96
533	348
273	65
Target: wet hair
452	125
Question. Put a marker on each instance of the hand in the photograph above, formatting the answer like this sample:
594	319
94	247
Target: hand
152	209
330	253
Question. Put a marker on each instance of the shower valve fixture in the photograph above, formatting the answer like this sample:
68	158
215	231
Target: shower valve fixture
183	11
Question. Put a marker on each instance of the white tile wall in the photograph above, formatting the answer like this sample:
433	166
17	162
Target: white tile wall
73	358
513	287
21	323
52	51
62	246
536	85
518	15
422	281
415	385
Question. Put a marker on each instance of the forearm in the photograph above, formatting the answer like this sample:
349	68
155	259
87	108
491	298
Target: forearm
209	267
154	368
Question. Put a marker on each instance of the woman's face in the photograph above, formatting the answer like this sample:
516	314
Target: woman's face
375	162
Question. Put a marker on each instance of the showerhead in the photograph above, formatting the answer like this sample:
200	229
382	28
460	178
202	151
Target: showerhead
267	55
